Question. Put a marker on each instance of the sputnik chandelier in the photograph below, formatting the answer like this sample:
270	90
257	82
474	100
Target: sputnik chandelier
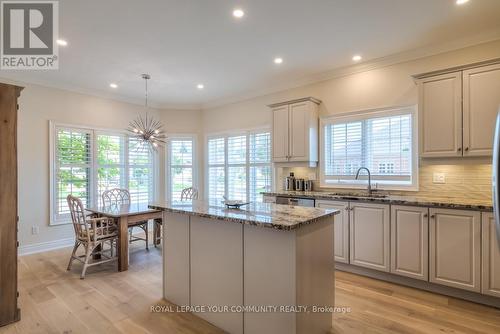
147	131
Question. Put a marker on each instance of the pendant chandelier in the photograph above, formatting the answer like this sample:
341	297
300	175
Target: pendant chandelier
147	131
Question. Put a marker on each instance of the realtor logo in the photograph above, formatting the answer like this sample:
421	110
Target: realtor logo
29	35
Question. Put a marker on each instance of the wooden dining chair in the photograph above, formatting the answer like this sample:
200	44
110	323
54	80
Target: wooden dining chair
92	234
186	194
118	196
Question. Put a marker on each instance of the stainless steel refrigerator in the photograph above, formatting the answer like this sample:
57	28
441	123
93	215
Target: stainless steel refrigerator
495	177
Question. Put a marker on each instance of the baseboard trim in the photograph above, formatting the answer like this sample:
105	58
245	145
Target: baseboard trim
423	285
45	246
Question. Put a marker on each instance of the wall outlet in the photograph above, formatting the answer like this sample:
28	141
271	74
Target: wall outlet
35	229
439	178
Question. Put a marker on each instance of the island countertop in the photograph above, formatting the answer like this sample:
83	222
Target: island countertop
281	217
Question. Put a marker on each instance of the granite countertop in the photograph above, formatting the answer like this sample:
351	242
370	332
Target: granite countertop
445	203
280	217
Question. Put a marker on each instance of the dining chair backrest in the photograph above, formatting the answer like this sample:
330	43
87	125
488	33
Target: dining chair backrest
77	216
116	196
189	193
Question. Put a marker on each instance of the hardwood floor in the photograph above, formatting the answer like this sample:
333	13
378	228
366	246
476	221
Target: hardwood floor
53	300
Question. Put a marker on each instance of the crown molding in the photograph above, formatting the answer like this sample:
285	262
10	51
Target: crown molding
398	58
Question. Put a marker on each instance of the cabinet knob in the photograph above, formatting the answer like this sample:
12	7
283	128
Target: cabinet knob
426	215
433	216
459	149
466	148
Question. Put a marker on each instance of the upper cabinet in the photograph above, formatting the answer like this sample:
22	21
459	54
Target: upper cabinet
440	115
481	103
295	131
457	111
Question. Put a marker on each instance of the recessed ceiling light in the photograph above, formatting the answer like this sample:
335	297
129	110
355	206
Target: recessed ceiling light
461	2
200	86
278	60
61	42
357	58
238	13
113	85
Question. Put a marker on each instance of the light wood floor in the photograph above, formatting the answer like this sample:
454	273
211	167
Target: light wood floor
53	300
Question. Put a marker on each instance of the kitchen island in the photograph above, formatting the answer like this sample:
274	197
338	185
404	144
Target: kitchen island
265	268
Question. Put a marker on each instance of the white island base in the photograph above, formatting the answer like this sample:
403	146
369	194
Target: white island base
211	262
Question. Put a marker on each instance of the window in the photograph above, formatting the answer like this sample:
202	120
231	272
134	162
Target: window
85	162
239	166
181	153
384	141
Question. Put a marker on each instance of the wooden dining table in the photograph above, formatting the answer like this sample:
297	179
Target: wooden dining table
125	215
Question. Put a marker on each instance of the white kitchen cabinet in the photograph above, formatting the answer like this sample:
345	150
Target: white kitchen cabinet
295	131
457	111
341	228
481	103
280	133
440	115
491	257
409	241
369	235
455	248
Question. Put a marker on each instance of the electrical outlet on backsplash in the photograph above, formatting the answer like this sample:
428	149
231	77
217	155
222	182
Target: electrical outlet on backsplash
463	181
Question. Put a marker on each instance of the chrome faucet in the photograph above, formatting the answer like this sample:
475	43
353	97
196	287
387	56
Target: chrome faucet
369	178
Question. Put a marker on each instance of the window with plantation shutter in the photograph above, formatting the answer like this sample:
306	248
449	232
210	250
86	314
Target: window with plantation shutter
140	172
383	141
239	166
73	167
110	162
259	165
86	162
181	166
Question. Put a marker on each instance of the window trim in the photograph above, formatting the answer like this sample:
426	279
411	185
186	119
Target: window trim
363	115
168	159
53	126
225	134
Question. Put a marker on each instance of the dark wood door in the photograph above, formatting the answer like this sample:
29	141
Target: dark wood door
8	204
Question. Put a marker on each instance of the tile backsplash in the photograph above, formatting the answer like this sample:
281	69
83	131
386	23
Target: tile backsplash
463	182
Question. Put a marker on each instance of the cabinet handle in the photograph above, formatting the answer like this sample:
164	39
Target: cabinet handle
459	149
466	149
433	216
426	215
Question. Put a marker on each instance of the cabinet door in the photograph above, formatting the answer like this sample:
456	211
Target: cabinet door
369	235
455	250
491	257
440	115
341	228
409	241
299	131
480	107
280	134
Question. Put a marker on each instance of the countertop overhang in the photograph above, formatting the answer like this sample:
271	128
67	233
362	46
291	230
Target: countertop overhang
269	215
444	203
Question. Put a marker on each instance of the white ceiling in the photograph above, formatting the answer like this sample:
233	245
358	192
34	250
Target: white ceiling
185	42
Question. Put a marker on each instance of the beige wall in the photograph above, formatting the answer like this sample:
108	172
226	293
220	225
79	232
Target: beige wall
39	105
381	87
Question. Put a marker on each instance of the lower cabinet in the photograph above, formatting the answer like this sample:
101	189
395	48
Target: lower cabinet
341	231
491	257
409	241
369	235
455	248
